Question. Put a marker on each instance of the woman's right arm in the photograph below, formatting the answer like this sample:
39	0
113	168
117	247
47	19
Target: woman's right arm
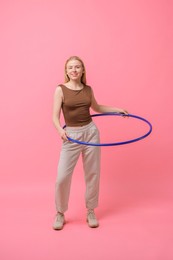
57	103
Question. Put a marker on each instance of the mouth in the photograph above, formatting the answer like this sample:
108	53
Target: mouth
74	75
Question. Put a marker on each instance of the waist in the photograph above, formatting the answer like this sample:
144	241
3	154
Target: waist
80	128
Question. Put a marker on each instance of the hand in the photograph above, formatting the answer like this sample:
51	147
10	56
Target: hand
63	134
123	111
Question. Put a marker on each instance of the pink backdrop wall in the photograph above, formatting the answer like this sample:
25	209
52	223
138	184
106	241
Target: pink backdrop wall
127	50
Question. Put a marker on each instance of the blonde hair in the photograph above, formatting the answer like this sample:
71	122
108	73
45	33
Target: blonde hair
83	78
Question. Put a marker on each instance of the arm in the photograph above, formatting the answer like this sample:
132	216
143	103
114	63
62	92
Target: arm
105	109
57	102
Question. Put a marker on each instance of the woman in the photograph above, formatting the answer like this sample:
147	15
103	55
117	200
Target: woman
75	98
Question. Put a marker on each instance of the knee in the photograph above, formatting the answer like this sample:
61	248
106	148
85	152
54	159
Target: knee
59	182
62	181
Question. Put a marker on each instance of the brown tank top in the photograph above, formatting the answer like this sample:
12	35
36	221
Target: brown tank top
75	106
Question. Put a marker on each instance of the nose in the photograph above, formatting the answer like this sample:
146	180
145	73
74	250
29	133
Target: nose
74	69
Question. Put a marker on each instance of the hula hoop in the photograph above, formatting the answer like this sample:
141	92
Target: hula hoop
116	143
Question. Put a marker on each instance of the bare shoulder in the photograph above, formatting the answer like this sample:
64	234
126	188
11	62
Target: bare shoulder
58	91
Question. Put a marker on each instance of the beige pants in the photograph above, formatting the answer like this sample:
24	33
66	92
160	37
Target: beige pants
91	164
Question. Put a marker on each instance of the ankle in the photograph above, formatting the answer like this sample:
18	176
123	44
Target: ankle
60	213
90	211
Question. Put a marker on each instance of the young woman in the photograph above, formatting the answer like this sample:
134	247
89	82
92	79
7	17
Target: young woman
75	98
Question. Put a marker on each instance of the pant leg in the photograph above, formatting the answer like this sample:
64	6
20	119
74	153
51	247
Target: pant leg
91	164
68	158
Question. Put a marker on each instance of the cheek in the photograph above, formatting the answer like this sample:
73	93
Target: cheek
81	72
68	71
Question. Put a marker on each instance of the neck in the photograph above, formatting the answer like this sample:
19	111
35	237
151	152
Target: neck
75	84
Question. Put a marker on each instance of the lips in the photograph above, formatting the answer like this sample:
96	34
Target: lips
74	75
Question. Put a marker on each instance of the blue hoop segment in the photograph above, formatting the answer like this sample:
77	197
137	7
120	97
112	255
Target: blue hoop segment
117	143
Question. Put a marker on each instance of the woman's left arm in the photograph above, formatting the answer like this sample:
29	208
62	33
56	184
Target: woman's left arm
105	109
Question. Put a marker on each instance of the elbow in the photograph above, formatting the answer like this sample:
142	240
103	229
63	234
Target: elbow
96	108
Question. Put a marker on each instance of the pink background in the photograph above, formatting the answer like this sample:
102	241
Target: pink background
127	49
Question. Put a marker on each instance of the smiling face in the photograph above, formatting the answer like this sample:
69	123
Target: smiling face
75	70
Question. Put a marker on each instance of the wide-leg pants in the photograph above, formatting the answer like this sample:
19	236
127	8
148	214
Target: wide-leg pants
91	164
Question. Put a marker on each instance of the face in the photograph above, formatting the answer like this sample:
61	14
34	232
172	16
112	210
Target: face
74	69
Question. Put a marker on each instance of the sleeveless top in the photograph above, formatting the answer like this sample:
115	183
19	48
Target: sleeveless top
75	105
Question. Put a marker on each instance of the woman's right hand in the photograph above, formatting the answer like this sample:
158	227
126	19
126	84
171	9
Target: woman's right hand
63	134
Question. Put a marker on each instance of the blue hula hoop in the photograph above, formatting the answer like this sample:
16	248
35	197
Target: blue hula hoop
116	143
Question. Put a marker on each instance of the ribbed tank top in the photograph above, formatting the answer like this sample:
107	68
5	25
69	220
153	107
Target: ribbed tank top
75	106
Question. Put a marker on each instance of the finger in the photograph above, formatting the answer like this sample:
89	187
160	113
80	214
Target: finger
64	138
125	114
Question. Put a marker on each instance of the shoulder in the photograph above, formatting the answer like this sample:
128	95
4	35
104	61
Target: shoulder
58	90
88	88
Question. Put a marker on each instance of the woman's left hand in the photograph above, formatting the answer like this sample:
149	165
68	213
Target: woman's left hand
123	111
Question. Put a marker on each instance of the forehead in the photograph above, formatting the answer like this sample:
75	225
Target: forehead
73	63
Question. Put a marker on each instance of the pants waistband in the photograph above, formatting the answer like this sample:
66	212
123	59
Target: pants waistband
80	128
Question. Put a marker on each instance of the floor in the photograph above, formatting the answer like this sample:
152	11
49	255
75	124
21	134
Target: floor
128	230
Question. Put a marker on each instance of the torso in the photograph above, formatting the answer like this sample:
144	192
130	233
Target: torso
76	104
